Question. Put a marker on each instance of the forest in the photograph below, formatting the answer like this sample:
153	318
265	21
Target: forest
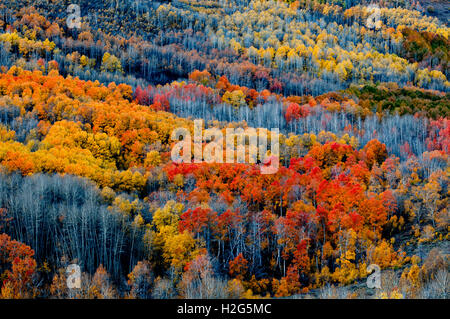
87	178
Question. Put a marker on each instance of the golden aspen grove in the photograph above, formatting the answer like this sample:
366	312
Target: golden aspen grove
359	95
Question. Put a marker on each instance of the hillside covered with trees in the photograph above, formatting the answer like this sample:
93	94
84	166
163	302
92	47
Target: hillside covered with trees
86	174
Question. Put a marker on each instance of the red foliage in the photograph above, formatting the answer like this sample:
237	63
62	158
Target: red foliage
295	111
238	267
197	220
